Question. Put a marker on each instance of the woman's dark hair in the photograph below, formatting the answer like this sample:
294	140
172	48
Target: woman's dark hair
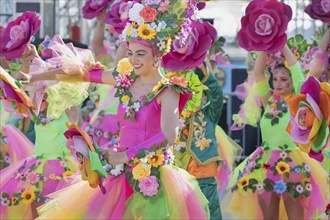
282	66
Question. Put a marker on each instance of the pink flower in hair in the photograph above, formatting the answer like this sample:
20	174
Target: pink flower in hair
319	9
94	8
117	16
264	25
190	54
18	34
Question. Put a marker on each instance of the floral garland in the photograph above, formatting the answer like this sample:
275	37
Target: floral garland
125	76
32	183
280	167
277	109
143	173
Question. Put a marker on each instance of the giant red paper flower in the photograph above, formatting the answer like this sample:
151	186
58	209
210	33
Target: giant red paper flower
117	16
18	34
94	8
264	25
310	117
193	52
319	9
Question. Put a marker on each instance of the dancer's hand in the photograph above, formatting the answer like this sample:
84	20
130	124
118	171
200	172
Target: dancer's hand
29	53
23	77
114	158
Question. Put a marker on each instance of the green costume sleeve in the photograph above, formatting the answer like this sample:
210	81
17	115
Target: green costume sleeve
297	77
262	88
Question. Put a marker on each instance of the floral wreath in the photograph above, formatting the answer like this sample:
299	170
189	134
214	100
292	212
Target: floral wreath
156	22
124	75
143	173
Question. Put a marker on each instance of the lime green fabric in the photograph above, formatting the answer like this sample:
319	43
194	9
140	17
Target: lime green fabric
50	141
297	77
262	88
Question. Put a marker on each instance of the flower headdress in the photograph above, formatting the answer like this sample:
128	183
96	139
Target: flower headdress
156	22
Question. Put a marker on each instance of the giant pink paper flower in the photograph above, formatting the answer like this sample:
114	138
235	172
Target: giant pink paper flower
193	52
264	25
117	16
94	8
18	34
319	9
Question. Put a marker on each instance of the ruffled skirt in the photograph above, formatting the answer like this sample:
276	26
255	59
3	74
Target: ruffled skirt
281	171
179	197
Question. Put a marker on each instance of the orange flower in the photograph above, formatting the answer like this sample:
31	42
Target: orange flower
148	14
180	81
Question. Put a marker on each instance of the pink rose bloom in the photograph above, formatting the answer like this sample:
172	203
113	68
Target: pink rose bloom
319	9
193	52
264	25
32	177
117	16
94	8
149	186
148	14
18	34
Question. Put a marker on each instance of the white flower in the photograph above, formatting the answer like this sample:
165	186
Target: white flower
134	13
153	25
161	25
308	187
307	168
180	145
300	189
7	159
134	33
283	155
136	106
161	45
5	201
62	163
260	186
181	123
117	170
151	154
195	16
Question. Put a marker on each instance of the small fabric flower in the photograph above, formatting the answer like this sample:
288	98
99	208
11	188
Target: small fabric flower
280	187
244	181
149	186
28	196
156	160
5	201
117	16
299	188
124	66
282	168
140	172
33	177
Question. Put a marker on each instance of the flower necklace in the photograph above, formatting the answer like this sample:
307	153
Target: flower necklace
277	108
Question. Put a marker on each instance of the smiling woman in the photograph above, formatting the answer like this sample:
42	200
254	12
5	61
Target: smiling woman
148	186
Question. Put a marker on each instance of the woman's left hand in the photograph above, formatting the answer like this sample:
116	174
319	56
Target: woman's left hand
114	158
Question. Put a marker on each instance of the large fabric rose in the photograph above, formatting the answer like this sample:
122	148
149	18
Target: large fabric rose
117	16
310	117
319	9
149	186
18	34
193	52
94	8
264	25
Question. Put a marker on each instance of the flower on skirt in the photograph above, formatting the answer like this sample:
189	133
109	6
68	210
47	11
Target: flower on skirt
28	196
280	187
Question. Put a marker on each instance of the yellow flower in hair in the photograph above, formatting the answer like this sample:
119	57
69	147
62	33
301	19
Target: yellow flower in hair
286	64
124	66
244	181
28	196
140	172
170	74
125	98
156	160
145	33
282	167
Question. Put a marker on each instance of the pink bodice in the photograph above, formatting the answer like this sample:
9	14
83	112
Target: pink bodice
146	125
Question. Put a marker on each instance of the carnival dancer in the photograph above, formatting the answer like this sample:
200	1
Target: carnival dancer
278	180
148	115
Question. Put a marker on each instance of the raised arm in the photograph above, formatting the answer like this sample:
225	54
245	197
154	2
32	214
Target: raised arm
98	37
295	69
261	82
